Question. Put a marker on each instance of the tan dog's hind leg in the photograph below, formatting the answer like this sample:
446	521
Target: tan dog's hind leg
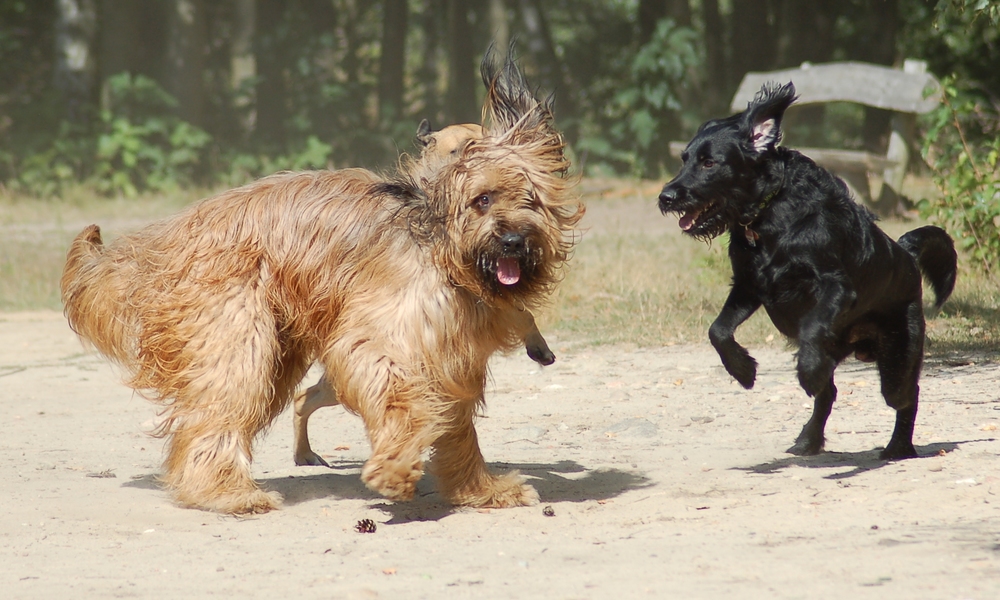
316	397
462	474
232	388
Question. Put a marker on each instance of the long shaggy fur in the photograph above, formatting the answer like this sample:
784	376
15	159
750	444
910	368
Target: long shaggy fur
392	284
437	150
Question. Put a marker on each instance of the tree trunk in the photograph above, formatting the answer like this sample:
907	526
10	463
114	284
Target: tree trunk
392	60
431	76
554	75
186	59
461	99
808	28
881	50
242	64
270	89
680	12
499	24
808	32
752	40
715	87
119	37
649	14
133	39
76	27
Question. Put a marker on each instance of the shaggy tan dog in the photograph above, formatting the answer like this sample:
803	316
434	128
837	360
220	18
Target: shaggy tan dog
438	149
401	288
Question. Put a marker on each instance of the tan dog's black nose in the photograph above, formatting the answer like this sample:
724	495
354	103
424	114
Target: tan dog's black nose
513	243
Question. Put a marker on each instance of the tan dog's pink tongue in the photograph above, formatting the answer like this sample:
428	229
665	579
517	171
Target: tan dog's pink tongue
508	271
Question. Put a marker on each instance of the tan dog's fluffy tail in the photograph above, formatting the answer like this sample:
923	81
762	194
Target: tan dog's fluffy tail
90	302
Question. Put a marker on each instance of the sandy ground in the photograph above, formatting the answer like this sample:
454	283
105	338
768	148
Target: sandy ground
665	479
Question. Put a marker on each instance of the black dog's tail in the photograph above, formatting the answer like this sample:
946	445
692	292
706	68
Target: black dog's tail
934	252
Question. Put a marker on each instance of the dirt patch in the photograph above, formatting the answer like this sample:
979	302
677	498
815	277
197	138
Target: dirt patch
659	477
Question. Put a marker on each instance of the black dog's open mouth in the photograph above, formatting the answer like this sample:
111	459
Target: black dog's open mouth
698	220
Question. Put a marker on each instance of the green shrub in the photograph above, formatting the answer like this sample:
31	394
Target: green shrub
143	145
962	147
646	113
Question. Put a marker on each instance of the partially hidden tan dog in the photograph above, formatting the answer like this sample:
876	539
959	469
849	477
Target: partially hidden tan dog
402	288
437	150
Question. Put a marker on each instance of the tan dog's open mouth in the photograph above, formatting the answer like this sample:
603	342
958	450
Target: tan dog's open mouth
508	270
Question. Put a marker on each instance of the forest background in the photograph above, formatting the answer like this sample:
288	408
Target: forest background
124	97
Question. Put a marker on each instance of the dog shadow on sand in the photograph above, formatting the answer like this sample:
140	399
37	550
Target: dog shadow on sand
858	462
563	481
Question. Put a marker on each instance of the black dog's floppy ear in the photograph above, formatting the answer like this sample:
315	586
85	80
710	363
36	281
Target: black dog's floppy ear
424	132
762	118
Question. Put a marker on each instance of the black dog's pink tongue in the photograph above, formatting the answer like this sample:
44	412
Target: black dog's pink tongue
688	219
508	271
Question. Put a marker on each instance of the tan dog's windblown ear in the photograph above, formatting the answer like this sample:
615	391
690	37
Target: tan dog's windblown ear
511	109
516	119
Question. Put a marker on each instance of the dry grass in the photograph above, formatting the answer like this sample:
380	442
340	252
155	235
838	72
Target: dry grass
634	278
35	233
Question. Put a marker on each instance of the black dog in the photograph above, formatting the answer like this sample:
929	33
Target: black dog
828	277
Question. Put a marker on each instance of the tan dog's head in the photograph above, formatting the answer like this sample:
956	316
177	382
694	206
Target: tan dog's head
504	204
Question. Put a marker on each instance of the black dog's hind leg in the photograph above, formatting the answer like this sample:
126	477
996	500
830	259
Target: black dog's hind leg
738	308
811	440
900	354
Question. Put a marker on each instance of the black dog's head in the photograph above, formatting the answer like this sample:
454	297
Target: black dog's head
726	174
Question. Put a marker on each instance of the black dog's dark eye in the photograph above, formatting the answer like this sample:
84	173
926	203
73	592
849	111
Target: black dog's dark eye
482	201
708	163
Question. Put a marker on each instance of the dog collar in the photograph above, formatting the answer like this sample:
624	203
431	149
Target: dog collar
751	235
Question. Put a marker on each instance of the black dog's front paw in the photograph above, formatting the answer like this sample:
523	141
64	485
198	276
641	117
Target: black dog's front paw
807	446
740	365
815	369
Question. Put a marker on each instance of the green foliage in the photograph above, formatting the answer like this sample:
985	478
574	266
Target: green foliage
47	172
987	9
138	145
954	38
646	113
962	146
142	145
619	101
244	166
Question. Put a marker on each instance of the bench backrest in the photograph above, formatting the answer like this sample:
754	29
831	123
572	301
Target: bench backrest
911	90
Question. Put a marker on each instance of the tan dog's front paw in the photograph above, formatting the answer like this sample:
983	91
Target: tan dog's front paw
505	491
393	478
510	490
251	501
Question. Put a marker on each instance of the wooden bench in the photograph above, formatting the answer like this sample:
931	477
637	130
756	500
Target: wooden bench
908	92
